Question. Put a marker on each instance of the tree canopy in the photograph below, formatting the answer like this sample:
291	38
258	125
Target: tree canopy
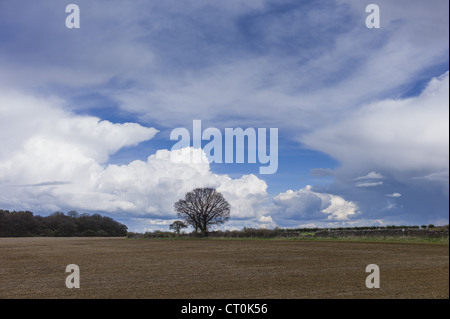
24	223
202	208
177	226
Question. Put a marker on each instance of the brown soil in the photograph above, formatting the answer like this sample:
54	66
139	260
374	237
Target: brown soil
152	269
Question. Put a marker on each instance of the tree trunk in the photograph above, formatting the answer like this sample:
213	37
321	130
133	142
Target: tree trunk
204	229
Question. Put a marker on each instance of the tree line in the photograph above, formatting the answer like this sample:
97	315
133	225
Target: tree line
25	224
249	232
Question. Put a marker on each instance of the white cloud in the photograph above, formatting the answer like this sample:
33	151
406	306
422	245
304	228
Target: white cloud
435	176
305	204
43	142
371	175
401	136
161	58
149	60
246	195
390	206
149	225
152	187
338	208
405	139
249	86
394	195
369	184
59	161
266	222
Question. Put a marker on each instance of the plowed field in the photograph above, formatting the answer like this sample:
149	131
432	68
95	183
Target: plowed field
152	269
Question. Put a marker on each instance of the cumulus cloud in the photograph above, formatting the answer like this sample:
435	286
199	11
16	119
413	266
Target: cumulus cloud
151	187
246	194
266	222
58	162
45	143
140	188
35	123
305	204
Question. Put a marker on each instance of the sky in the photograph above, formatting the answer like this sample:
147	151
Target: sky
362	114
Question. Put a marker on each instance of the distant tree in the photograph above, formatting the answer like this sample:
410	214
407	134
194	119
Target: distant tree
23	223
73	214
177	226
203	207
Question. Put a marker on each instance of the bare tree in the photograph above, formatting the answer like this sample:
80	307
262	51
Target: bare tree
177	226
203	207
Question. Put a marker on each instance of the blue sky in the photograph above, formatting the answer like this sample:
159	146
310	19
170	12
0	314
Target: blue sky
362	114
